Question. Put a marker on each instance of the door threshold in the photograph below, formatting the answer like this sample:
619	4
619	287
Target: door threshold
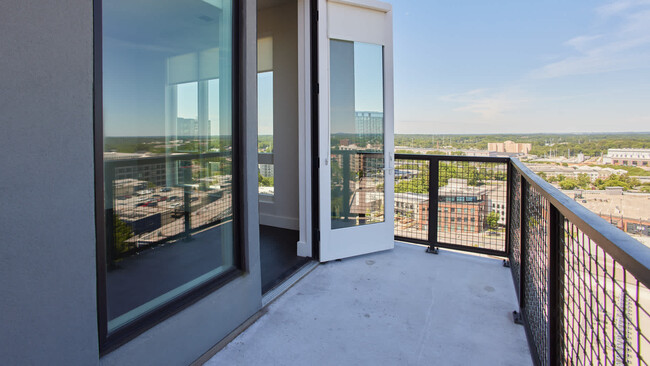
281	288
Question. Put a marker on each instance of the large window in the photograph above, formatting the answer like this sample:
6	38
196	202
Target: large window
169	154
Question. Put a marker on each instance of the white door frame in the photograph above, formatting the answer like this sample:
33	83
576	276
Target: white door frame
304	129
355	240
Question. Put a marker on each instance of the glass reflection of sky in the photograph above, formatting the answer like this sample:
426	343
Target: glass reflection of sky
368	77
265	102
136	52
356	83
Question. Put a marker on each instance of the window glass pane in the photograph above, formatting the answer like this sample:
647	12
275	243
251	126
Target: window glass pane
356	133
265	133
167	98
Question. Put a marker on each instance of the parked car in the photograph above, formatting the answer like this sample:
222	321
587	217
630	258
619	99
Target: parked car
147	204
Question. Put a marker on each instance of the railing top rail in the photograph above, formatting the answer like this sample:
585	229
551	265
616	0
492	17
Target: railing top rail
162	158
627	251
480	159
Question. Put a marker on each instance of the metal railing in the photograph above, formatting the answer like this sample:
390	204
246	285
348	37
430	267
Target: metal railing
471	202
161	199
582	284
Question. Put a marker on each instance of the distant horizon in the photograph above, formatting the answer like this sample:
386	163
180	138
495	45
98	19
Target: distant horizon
440	134
521	67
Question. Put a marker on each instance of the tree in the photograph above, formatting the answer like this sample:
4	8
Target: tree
122	233
264	181
584	181
492	220
473	178
568	183
614	180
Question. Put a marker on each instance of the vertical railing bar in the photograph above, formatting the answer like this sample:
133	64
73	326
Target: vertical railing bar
555	286
433	202
508	213
522	243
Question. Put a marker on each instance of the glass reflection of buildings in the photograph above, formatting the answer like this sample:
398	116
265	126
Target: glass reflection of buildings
369	127
361	161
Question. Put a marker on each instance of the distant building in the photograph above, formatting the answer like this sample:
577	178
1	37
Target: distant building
627	211
266	170
153	172
499	206
593	172
187	127
461	208
629	157
368	125
191	128
510	147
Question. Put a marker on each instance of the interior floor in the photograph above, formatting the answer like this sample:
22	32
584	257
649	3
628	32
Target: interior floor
278	255
142	277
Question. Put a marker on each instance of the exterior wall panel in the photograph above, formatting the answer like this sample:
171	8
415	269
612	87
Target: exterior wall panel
47	253
48	306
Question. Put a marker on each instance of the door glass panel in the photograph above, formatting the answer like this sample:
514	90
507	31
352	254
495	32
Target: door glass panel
356	133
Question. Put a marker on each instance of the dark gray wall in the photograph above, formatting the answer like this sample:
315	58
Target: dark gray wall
47	237
47	248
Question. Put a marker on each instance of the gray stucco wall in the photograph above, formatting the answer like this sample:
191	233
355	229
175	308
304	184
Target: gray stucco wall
47	237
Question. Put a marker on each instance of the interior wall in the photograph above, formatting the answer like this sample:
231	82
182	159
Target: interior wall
280	21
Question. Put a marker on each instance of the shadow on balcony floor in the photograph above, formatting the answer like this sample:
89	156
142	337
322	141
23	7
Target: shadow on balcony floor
398	307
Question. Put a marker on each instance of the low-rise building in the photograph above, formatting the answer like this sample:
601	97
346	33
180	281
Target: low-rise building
628	157
510	147
627	211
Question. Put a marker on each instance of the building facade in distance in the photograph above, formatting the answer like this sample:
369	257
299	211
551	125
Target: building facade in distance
629	157
510	147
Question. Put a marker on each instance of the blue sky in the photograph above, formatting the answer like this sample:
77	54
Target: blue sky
473	66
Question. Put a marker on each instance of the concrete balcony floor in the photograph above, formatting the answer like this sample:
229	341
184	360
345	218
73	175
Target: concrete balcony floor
398	307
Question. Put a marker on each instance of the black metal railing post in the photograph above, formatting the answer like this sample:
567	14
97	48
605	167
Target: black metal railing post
434	165
523	223
109	207
555	284
509	168
345	205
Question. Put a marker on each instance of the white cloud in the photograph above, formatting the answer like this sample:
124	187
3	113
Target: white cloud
582	43
625	45
619	6
486	103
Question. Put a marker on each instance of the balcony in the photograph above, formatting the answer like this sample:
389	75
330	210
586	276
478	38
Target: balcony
548	282
398	307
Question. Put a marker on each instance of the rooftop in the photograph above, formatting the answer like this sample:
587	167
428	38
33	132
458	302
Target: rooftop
401	306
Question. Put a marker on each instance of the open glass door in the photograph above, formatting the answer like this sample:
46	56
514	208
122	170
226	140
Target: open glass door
355	128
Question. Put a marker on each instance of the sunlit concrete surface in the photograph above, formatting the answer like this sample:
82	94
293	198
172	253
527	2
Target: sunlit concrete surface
398	307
